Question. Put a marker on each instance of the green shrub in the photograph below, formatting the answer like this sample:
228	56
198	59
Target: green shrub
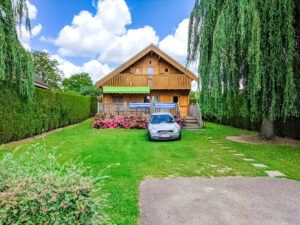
20	118
36	189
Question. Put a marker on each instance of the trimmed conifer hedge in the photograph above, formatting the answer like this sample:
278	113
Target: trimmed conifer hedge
21	118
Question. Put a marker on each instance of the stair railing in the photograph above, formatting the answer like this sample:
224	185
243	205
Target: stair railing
196	112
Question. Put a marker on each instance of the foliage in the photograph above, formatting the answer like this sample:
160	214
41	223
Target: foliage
78	83
47	68
194	96
91	91
15	62
246	51
102	121
47	111
36	189
140	159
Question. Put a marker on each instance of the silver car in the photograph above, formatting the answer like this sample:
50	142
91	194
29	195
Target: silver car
162	126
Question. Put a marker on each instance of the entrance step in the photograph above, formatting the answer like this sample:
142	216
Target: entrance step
191	126
191	121
190	118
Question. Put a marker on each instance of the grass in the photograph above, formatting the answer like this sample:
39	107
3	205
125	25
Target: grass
140	159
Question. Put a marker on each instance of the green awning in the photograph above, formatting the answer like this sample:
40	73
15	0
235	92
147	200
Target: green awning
129	90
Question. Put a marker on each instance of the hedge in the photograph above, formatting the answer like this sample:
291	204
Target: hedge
21	118
284	128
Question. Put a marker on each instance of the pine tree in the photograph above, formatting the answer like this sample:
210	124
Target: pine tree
246	53
15	62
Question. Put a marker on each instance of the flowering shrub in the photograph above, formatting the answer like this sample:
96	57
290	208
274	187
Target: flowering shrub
128	122
103	121
36	189
178	119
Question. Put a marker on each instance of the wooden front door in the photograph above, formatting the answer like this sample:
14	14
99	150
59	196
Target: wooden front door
184	103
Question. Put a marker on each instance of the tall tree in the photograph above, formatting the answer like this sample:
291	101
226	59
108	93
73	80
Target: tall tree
78	83
246	52
15	62
47	68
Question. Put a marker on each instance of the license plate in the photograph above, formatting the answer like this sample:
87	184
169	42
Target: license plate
164	135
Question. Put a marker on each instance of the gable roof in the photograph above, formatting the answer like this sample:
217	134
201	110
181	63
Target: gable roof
140	55
38	82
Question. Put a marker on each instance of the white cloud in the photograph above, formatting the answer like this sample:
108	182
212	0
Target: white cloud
104	34
125	46
94	68
44	39
32	10
176	45
23	34
25	37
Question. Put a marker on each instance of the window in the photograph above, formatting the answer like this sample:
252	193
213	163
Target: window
137	70
175	99
147	99
150	70
150	62
118	100
154	99
166	70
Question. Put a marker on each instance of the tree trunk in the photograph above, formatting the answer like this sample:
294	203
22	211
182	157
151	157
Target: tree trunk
267	129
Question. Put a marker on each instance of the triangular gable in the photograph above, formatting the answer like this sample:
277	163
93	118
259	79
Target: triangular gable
140	55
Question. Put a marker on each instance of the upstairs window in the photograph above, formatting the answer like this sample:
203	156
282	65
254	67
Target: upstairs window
137	70
150	70
175	99
154	99
147	99
166	70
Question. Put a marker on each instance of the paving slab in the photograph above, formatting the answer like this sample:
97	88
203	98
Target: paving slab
248	159
275	174
220	201
259	165
239	154
225	147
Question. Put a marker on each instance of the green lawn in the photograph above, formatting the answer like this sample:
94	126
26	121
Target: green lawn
140	159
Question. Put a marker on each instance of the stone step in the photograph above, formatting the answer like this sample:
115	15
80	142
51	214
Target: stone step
190	117
191	121
191	126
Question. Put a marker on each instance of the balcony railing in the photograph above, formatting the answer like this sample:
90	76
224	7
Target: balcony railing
154	81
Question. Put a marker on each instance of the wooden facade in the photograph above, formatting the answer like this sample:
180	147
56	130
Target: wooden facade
168	80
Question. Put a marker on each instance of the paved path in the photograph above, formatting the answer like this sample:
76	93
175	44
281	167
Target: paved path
220	201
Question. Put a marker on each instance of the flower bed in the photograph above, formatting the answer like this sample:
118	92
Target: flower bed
103	121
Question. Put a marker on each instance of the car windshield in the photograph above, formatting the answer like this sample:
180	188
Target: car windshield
162	119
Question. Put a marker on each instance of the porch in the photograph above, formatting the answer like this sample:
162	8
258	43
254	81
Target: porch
193	119
144	109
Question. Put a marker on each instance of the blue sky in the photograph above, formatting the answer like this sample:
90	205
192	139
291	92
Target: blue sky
97	36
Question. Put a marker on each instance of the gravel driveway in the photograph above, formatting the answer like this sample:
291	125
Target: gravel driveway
218	201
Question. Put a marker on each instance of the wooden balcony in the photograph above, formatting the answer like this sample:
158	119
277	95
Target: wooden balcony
154	81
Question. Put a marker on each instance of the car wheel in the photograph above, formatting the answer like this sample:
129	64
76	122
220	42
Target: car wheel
149	136
179	138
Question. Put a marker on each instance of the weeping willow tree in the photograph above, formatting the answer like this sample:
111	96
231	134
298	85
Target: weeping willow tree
246	51
15	62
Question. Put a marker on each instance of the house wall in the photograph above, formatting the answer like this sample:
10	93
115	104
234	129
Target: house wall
152	60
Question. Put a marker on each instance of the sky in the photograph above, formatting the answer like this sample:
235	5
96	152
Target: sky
96	36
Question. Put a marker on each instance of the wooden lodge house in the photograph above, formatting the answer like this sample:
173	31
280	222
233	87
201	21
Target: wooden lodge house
151	76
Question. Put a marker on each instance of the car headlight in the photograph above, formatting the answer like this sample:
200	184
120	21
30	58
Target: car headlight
153	129
176	129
